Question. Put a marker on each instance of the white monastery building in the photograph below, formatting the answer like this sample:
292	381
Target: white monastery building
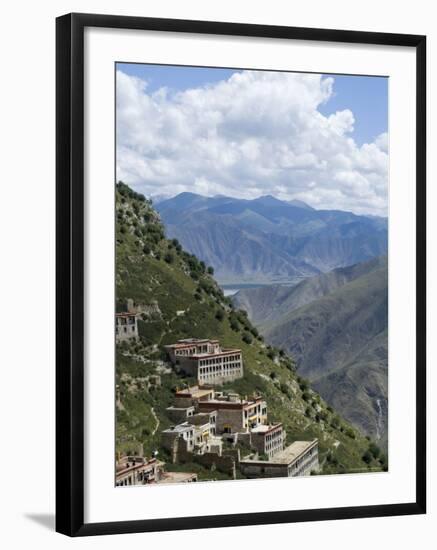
206	360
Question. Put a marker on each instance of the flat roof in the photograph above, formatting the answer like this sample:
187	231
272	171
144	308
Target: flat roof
202	414
177	477
225	404
137	466
289	455
188	342
264	428
194	392
293	451
179	428
195	340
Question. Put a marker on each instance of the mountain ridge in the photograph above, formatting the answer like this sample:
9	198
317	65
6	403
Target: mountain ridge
270	240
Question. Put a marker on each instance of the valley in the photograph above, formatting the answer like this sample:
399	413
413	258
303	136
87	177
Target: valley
335	327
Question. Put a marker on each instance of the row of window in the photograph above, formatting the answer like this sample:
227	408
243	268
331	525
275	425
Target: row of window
142	477
306	468
274	445
256	409
215	375
220	360
304	462
216	368
185	352
277	436
124	331
124	321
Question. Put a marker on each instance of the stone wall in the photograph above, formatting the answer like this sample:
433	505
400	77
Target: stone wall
170	442
263	469
229	417
180	414
227	463
145	310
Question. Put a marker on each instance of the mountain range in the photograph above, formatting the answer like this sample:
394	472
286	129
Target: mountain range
267	240
335	327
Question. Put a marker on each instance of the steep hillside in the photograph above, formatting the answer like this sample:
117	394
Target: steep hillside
182	300
268	304
269	240
338	340
359	389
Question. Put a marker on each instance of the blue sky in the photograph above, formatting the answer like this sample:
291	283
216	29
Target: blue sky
317	138
365	96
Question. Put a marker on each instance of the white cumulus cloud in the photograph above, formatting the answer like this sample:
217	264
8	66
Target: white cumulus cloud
256	133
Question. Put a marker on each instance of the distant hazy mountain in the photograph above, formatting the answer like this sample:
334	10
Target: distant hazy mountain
335	327
268	240
300	204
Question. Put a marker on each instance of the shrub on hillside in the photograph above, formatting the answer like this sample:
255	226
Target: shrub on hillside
206	286
306	396
335	422
374	450
220	315
169	258
367	457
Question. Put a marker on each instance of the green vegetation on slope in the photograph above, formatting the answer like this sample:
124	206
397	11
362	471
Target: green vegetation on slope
187	302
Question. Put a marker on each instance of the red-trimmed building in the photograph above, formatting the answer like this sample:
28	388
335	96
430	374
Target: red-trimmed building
235	414
206	360
268	439
301	458
136	470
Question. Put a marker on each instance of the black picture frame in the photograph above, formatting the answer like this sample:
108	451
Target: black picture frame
70	272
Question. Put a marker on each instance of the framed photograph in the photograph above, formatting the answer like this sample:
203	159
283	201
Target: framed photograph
240	274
